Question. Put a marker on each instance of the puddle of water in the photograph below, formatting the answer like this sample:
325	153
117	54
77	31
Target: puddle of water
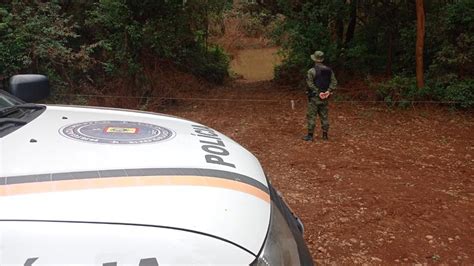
256	64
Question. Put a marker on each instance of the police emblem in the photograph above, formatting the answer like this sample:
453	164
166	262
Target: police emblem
116	132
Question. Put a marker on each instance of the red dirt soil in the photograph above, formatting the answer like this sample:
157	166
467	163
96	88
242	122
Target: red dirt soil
390	186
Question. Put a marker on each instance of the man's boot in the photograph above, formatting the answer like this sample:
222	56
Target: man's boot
325	136
308	137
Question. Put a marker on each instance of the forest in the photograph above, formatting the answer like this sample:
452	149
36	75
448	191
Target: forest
420	50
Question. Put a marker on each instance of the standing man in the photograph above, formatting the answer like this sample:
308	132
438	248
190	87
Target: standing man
321	82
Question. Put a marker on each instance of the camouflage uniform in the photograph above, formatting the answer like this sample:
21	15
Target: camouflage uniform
316	105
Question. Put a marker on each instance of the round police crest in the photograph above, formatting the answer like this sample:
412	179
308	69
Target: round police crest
116	132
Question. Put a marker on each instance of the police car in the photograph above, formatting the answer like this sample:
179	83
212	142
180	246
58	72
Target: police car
102	186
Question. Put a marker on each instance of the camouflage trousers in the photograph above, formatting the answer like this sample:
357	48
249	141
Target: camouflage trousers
317	107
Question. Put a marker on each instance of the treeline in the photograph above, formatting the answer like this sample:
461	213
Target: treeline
76	42
95	41
363	38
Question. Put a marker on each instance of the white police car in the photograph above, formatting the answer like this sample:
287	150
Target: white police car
101	186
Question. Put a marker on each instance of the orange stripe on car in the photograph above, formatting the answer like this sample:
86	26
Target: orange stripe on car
136	181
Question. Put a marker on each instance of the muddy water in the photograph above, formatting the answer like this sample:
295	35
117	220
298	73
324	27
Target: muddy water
256	64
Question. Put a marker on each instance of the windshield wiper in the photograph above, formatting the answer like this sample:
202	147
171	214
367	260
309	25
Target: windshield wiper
7	125
12	109
18	122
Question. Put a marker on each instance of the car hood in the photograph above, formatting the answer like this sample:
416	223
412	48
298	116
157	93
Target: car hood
97	165
66	243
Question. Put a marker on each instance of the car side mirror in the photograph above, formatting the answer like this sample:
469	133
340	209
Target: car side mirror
29	87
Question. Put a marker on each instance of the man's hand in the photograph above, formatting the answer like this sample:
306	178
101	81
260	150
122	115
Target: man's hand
324	95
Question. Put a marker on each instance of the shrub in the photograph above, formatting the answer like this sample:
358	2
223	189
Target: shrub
461	94
213	64
402	91
398	91
257	24
290	72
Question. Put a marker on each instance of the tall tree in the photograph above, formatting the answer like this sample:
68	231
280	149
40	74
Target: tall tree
352	23
420	42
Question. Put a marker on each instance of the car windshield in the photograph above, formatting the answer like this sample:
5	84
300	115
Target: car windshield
7	100
15	113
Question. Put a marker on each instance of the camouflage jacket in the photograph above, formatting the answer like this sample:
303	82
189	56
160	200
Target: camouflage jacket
310	81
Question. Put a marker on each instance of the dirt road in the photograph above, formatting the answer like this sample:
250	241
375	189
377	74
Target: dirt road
256	64
391	186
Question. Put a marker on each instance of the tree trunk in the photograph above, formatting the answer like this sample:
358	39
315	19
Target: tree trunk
420	42
339	31
352	23
388	70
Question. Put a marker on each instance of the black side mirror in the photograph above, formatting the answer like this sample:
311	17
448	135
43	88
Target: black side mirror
30	87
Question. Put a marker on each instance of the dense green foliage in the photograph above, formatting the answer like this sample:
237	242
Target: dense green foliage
76	41
378	38
39	38
84	42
